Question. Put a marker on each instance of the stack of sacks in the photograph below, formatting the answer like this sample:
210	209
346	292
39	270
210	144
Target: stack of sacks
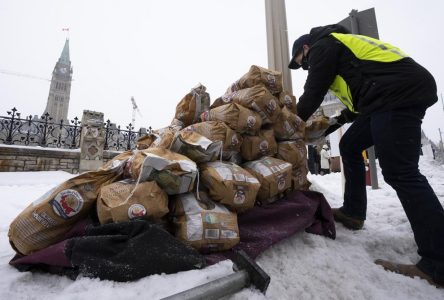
158	176
47	220
150	176
247	146
282	135
263	151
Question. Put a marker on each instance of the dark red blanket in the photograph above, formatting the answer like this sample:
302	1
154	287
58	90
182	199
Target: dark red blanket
131	250
263	226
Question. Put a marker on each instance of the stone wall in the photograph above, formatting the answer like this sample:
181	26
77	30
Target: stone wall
18	159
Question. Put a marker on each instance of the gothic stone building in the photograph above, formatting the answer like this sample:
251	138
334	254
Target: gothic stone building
59	91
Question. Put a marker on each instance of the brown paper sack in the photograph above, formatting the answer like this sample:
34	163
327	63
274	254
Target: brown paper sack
219	131
288	100
206	226
163	137
118	160
315	128
145	141
233	157
288	126
173	172
254	147
273	174
46	220
299	179
191	106
256	98
126	200
230	185
239	118
258	75
293	152
196	147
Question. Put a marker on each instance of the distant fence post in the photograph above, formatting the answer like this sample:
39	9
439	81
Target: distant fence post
92	141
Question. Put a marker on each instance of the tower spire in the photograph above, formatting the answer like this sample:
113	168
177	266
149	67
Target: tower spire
64	57
60	88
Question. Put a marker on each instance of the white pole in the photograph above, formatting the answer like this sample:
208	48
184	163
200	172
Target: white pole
340	162
277	40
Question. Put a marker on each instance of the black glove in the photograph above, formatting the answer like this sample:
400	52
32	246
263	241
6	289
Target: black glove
346	116
334	125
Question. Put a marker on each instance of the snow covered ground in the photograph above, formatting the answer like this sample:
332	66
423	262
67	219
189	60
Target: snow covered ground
305	266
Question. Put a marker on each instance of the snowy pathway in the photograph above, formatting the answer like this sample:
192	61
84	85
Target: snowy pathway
305	266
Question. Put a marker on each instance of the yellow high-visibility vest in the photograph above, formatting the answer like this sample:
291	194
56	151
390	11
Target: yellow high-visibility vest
364	48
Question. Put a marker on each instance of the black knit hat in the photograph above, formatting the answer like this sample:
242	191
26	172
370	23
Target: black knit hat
297	47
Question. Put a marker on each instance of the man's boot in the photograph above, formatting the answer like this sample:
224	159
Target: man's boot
347	221
407	270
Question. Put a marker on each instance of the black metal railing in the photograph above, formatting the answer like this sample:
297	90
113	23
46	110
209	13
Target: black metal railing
118	139
44	132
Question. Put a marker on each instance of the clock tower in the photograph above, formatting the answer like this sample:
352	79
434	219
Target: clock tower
60	89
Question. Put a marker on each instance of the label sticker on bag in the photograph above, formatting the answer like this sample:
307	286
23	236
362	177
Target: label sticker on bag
288	101
67	203
281	182
263	147
271	80
136	211
251	121
44	219
210	218
271	107
212	234
228	234
239	197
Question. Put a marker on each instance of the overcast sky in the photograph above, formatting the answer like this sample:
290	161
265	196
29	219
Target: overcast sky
157	51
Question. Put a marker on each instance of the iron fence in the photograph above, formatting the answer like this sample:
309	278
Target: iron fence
44	132
118	139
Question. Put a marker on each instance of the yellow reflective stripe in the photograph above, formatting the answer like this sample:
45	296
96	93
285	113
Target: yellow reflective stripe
367	48
341	90
381	46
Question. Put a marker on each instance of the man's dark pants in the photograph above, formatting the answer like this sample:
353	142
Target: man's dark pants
396	135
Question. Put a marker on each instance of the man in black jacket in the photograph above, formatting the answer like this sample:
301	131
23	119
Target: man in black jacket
386	94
